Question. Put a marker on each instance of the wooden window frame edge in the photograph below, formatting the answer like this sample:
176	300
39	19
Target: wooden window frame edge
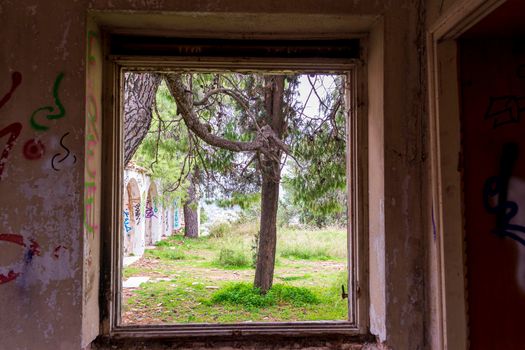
357	326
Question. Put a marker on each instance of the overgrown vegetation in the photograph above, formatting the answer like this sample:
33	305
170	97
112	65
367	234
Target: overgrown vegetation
247	296
210	279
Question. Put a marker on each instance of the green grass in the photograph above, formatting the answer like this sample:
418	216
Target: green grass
211	280
166	254
233	258
325	244
244	294
131	270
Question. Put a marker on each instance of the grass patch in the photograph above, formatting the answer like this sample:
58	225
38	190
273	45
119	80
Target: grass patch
325	244
232	258
305	290
166	254
164	243
131	271
295	278
244	294
305	253
220	230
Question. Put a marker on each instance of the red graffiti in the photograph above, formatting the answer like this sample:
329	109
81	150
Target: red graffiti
32	249
34	149
14	131
57	250
16	79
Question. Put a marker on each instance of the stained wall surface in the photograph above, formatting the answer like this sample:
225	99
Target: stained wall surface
50	128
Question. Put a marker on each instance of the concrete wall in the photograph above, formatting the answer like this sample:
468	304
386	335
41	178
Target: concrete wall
145	219
50	63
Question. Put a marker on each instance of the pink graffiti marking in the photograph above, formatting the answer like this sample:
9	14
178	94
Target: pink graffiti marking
92	139
32	249
34	149
16	79
14	131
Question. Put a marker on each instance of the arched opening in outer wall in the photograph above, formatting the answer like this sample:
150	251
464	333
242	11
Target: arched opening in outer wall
152	215
132	217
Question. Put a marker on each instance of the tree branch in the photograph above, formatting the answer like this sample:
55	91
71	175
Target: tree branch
265	141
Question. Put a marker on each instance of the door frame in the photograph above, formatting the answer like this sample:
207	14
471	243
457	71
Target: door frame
447	282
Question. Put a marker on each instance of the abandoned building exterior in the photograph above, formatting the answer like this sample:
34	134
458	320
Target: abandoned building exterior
146	219
441	87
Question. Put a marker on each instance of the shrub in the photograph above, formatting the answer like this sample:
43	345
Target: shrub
235	257
220	229
244	294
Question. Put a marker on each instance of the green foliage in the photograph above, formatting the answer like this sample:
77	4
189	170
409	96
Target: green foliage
204	215
317	188
220	229
187	296
254	248
164	148
166	253
246	201
245	295
327	244
164	243
233	257
305	253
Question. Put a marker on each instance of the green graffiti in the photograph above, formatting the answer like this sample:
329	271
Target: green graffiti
59	108
91	35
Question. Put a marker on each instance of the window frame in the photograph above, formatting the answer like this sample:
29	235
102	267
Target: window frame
357	187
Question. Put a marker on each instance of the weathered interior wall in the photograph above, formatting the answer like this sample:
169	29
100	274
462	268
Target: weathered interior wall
54	297
42	89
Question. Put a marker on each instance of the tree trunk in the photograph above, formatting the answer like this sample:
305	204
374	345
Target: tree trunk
268	234
271	173
139	96
191	207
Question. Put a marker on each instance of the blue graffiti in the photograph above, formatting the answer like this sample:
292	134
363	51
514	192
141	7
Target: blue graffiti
126	221
504	210
176	220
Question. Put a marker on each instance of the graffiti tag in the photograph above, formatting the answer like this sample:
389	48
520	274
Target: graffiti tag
127	225
68	152
56	112
495	190
16	80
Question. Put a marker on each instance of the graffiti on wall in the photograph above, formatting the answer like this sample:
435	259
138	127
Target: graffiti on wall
31	249
150	211
16	80
51	112
34	149
127	224
137	213
505	110
495	194
12	130
55	161
92	139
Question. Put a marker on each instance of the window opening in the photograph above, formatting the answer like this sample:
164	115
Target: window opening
234	198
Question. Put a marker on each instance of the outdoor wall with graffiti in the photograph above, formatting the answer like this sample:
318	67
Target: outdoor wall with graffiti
493	129
146	219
